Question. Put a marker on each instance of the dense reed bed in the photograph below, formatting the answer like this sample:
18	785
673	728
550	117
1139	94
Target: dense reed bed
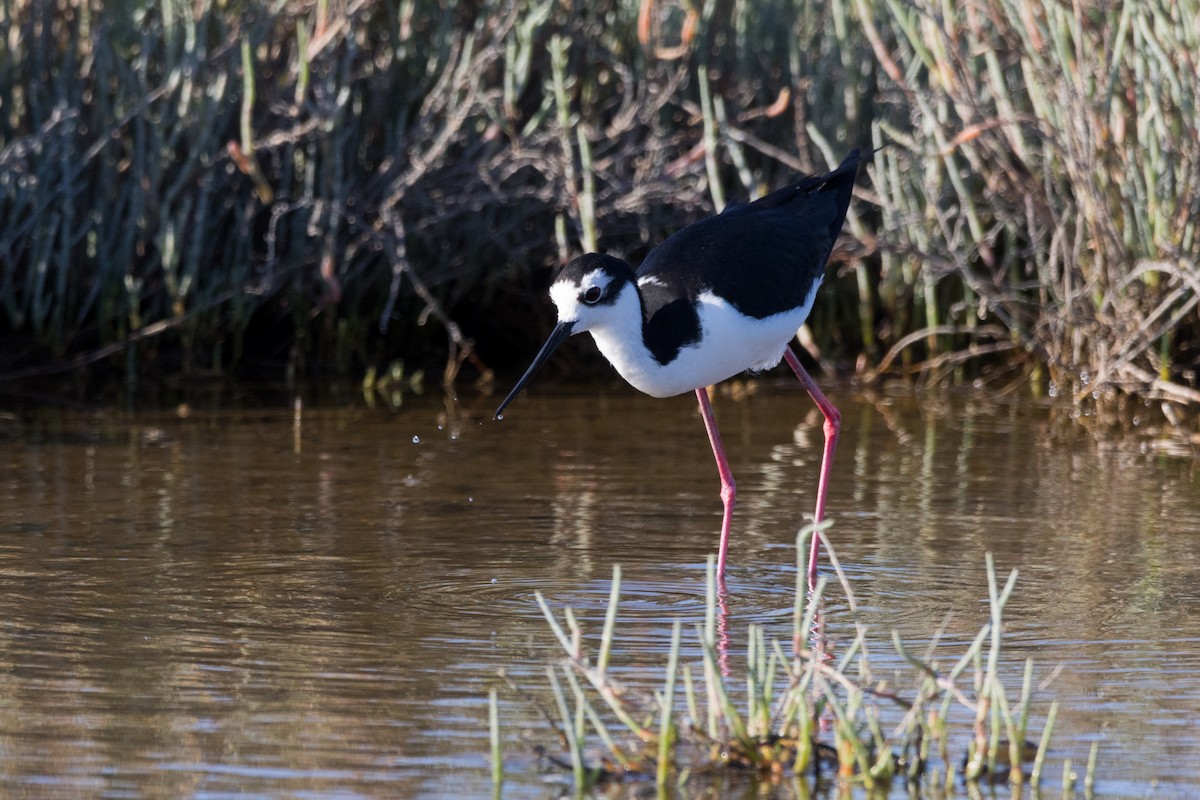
209	186
800	713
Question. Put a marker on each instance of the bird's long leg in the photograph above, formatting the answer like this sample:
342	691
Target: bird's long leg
833	425
728	485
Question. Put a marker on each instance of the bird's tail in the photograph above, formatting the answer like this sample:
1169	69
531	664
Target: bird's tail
841	180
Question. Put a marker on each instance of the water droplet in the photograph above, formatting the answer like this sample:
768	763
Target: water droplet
416	440
499	417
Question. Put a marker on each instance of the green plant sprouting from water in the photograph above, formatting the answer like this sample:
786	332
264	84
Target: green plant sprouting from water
799	709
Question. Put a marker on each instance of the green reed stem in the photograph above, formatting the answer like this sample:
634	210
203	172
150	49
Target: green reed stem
574	747
247	116
1035	776
610	620
708	634
715	188
689	688
494	736
1089	779
1016	772
666	726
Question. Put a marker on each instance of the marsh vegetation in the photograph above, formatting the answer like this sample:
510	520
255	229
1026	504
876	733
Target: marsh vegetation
326	186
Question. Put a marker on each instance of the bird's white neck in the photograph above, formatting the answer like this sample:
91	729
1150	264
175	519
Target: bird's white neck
619	335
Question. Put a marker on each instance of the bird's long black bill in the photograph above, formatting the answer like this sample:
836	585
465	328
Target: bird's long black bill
561	331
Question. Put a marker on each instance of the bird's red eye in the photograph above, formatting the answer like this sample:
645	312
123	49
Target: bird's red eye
592	295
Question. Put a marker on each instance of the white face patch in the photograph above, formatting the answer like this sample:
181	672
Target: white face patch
565	295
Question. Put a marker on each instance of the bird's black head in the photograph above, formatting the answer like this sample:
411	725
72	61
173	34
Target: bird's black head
593	279
585	293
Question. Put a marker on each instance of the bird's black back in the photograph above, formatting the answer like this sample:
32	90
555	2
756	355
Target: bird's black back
763	258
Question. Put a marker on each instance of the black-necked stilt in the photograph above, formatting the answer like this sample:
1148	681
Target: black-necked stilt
723	295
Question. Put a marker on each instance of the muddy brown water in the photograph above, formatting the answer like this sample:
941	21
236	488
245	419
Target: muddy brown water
243	600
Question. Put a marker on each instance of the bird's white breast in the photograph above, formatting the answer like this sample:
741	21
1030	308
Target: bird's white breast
730	343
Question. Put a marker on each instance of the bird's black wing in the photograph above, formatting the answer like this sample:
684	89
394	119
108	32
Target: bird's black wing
763	258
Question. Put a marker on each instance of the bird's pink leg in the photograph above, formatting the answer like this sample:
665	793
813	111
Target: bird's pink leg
728	486
833	425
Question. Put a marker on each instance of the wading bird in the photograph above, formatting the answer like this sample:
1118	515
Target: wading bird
721	296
